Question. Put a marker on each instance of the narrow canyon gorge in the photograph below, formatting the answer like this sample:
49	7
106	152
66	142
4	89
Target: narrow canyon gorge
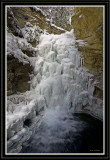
54	79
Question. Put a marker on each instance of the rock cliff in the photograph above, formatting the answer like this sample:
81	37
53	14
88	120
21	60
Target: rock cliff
88	26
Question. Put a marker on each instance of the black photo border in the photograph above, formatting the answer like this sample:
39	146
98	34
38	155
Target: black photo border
106	4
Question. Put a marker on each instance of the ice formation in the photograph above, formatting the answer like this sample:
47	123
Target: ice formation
59	81
59	76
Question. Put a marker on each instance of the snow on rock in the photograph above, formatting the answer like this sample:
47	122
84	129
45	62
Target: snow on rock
57	16
81	42
57	27
15	45
13	22
31	33
80	16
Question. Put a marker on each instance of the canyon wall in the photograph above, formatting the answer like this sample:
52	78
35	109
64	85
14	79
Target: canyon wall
88	26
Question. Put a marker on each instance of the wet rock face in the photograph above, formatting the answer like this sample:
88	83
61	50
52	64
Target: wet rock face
88	26
17	76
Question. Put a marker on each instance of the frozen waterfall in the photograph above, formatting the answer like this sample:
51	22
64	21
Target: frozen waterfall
60	85
59	78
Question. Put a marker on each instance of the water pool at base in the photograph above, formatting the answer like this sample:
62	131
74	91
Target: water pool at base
72	133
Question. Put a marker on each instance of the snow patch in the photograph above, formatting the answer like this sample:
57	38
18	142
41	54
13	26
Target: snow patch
80	16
